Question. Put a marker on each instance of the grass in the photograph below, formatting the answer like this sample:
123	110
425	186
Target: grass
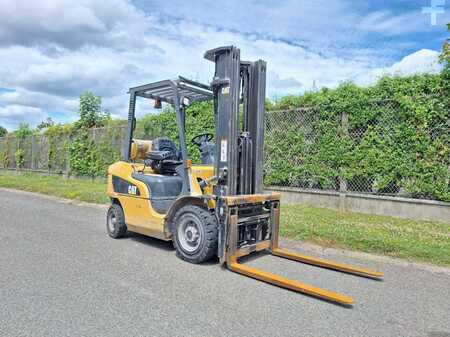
424	241
88	190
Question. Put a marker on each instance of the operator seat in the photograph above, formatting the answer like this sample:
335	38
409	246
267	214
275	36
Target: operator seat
166	185
165	156
166	144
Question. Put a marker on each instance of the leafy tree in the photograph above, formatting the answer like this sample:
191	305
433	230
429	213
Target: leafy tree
87	156
91	114
21	134
445	55
23	131
3	131
48	122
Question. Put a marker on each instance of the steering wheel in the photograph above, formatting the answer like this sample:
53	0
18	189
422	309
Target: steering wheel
204	137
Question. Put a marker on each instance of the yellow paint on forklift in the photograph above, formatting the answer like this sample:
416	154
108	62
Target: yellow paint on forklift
285	282
139	213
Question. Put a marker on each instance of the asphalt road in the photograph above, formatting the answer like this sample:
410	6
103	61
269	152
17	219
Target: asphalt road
61	275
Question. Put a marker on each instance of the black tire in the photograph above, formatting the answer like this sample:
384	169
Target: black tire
197	221
115	222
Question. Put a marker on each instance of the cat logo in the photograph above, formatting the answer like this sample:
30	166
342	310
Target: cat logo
132	189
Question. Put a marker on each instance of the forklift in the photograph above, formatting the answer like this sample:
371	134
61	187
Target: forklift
216	209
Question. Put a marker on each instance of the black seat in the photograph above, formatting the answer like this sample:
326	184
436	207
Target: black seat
166	145
159	155
163	190
165	157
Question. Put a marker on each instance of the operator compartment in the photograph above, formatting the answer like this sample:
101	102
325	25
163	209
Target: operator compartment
164	183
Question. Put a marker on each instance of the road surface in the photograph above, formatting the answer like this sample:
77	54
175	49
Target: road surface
61	275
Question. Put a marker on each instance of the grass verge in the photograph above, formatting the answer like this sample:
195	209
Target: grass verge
424	241
88	190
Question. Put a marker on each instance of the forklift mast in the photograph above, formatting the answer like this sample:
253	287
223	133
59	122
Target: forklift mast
239	137
245	215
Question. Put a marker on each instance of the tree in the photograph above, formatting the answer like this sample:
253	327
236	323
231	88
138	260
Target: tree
91	114
85	157
48	122
3	131
23	131
445	55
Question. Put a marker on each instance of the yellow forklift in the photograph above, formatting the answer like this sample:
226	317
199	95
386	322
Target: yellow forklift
217	208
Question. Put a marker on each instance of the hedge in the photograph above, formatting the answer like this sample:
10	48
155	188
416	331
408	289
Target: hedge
396	141
392	137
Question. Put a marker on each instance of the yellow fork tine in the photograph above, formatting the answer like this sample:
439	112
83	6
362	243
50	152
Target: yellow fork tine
327	263
289	284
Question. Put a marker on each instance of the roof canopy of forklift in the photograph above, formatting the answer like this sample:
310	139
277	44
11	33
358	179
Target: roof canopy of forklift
179	93
169	90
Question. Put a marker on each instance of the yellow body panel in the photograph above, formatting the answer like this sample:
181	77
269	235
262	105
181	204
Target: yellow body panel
140	216
202	172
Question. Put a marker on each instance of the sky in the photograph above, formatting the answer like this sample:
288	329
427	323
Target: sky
51	51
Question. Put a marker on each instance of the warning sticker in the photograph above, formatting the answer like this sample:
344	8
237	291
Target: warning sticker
226	90
223	150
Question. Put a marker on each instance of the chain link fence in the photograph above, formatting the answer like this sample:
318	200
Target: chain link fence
382	149
379	148
51	154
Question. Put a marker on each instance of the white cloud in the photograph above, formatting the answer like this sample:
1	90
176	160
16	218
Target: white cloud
12	115
70	24
57	49
393	24
37	99
420	62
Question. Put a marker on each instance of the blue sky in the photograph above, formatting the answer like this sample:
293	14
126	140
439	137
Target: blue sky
55	49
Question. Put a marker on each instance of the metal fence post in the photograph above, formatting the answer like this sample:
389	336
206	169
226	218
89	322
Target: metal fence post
342	180
66	173
33	144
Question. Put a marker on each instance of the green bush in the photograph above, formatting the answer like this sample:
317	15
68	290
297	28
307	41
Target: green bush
4	154
396	139
22	133
3	131
20	158
88	156
392	137
58	141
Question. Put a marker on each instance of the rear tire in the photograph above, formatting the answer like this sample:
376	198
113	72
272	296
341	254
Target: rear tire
194	231
115	222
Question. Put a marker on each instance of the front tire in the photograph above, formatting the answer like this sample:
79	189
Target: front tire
115	222
194	231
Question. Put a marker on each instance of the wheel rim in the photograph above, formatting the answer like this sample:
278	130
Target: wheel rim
112	221
190	234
